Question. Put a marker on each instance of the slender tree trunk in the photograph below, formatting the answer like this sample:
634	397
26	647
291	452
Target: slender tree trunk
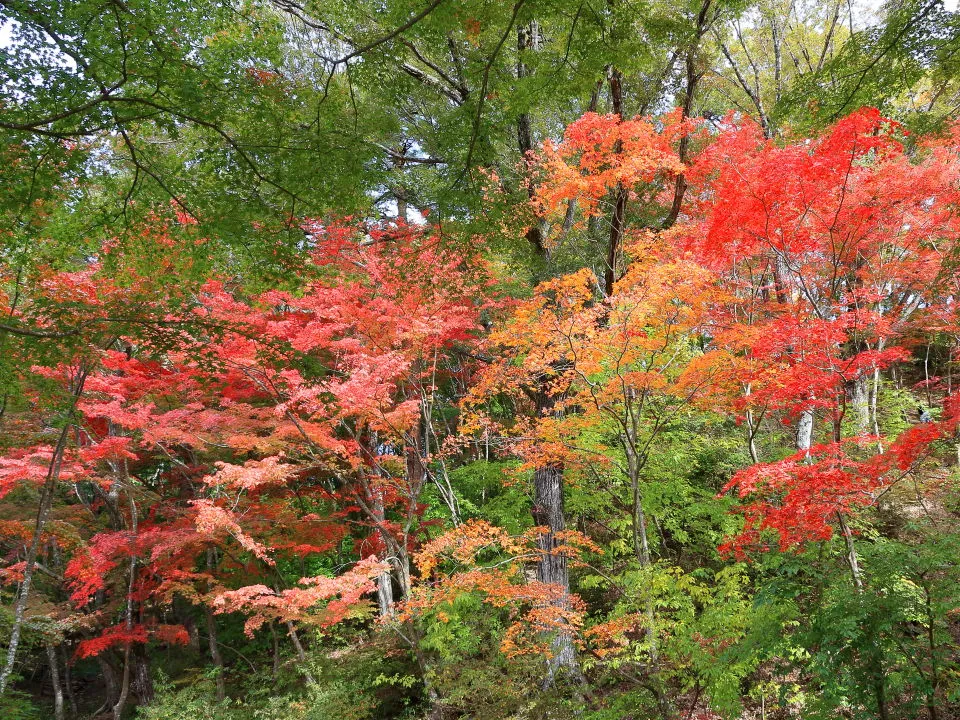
276	651
54	665
121	703
777	38
751	429
436	711
193	631
301	654
752	437
214	646
528	39
932	649
440	480
215	655
874	396
618	218
693	79
416	480
128	659
781	277
641	541
385	593
852	559
804	435
68	680
385	579
874	661
880	693
641	547
109	675
43	512
615	244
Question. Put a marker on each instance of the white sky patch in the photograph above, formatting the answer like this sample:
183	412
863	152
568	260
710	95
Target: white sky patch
414	216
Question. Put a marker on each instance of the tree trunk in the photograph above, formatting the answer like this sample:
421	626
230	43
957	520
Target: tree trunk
874	397
68	681
142	680
852	559
805	432
618	218
875	662
641	548
128	657
54	665
46	503
192	632
552	567
693	79
385	593
859	395
301	654
880	693
43	512
436	711
752	436
528	38
276	651
212	634
385	579
121	703
109	675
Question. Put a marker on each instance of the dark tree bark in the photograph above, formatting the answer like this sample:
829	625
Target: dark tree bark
214	646
111	685
618	219
693	75
528	39
141	681
67	680
276	651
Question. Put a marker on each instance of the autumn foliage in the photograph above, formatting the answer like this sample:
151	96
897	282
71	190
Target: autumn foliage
282	457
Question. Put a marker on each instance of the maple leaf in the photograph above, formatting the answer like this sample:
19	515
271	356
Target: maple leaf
323	601
213	520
